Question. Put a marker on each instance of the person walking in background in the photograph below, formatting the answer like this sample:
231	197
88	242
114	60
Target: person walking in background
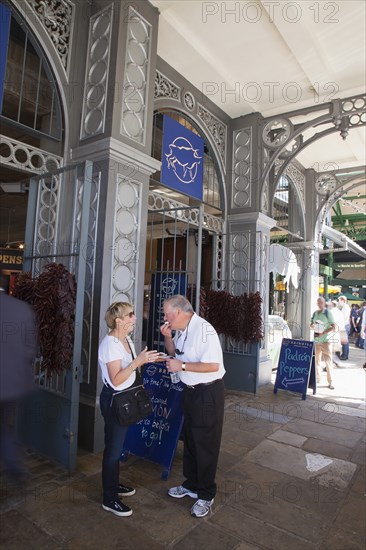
360	342
322	322
339	330
363	331
353	322
19	346
118	364
197	357
346	312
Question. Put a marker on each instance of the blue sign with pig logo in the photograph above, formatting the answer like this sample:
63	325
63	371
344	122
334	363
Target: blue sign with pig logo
182	159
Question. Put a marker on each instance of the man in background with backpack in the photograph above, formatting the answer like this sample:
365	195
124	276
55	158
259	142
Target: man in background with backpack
322	322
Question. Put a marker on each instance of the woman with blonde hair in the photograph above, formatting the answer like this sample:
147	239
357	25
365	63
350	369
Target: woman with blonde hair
118	363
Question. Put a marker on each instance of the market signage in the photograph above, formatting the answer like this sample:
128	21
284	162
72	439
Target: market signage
11	259
182	159
296	367
342	266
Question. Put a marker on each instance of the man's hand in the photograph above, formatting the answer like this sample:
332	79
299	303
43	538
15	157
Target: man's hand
166	330
173	365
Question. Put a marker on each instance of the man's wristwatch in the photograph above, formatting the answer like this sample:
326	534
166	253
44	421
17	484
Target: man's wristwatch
183	366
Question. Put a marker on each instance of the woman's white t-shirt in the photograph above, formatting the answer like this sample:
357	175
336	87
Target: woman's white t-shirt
112	349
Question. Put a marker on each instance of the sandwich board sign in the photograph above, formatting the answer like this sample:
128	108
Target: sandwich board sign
155	438
296	367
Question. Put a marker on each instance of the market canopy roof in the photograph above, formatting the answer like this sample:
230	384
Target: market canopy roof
342	240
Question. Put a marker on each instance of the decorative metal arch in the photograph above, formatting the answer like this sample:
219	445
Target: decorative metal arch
286	140
342	189
296	188
56	65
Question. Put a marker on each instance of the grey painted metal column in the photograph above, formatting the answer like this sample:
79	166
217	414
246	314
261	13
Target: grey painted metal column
116	132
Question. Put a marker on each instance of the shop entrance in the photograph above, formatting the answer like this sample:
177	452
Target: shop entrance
183	255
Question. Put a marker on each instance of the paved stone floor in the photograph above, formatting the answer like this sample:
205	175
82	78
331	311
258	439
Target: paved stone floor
291	476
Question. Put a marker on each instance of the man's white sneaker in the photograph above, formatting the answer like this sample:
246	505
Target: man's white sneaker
180	492
201	508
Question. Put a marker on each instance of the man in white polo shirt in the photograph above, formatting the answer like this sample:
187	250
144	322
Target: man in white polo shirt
197	357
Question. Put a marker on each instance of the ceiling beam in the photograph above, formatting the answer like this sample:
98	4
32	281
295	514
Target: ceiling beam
356	197
309	58
338	211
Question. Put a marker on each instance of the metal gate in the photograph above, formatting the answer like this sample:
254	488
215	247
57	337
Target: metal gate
183	254
61	228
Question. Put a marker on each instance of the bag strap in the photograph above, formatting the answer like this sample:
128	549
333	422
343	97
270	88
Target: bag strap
138	379
131	349
138	370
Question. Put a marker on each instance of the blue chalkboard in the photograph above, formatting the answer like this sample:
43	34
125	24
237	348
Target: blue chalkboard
296	367
155	438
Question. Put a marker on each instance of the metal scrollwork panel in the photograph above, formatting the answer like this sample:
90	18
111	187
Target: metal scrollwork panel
184	213
90	256
216	129
189	101
242	158
218	274
56	16
298	179
277	132
239	262
26	158
133	115
125	240
46	226
165	88
355	106
96	75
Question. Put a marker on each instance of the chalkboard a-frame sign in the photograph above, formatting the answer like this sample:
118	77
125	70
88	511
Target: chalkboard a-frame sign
296	367
155	438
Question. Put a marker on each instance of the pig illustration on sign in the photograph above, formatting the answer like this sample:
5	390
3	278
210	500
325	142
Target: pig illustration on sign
183	159
168	286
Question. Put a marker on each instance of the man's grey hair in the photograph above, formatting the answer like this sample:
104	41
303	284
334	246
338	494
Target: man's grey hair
179	302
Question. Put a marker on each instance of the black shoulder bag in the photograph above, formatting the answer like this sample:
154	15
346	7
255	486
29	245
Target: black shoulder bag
132	404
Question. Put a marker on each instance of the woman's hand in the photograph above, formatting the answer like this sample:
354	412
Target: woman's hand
147	356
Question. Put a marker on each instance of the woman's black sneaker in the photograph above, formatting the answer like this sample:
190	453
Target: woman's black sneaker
125	491
117	507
